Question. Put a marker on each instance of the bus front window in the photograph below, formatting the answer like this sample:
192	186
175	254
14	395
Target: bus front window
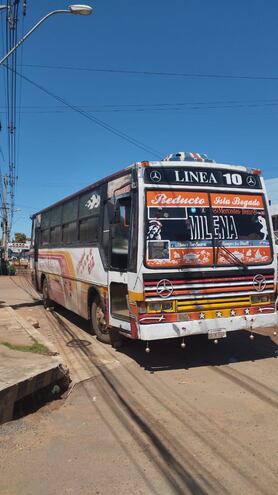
185	228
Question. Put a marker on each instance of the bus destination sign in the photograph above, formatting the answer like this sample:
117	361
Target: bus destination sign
202	177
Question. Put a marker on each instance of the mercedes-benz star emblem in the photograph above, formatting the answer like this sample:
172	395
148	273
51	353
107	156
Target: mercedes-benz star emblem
251	181
164	288
155	176
259	282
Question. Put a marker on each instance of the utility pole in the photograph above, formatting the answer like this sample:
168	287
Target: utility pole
5	221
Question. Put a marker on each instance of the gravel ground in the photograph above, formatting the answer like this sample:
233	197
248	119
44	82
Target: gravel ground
199	421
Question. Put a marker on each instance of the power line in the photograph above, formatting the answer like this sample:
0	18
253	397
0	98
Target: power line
130	105
12	23
101	123
154	73
3	72
163	107
11	40
21	48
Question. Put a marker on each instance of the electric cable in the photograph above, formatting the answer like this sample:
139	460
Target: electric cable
21	48
162	107
101	123
154	73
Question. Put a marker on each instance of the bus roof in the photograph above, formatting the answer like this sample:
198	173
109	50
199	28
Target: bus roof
121	173
180	159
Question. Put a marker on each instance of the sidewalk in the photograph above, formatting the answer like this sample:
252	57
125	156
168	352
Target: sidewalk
28	361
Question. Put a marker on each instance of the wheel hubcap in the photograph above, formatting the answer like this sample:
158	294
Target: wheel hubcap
101	321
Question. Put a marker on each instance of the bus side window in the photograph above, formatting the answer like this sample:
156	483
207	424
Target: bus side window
44	237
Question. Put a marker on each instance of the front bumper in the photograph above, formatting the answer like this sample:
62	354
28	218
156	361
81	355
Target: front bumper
157	331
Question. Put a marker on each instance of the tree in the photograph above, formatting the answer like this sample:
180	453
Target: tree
19	237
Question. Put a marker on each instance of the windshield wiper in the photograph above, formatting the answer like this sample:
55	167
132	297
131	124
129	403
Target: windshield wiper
230	255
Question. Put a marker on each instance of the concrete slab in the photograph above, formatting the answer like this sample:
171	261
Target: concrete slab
16	330
11	331
23	373
15	291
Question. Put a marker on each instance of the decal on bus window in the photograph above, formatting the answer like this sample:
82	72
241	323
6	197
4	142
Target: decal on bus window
196	228
93	202
237	201
202	177
154	230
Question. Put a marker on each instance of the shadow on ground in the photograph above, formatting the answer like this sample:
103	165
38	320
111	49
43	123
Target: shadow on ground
168	354
199	351
27	304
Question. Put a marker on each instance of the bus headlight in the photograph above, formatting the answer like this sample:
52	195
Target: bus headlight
261	298
167	306
142	307
154	307
161	307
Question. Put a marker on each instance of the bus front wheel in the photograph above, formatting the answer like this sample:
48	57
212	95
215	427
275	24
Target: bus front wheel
99	322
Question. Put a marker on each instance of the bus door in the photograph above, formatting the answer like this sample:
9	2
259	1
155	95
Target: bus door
120	236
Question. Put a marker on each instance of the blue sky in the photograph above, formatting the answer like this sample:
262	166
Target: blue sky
233	120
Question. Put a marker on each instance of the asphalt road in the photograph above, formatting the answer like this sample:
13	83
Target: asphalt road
198	421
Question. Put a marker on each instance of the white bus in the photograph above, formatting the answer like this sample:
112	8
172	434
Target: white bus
161	250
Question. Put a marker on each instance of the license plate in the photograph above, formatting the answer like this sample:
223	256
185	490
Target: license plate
217	334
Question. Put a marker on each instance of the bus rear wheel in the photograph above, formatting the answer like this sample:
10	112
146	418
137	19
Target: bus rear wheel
45	295
99	322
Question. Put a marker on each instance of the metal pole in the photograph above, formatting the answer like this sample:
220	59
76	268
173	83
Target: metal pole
31	31
5	221
5	236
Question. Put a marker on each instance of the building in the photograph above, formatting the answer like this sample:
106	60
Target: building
18	249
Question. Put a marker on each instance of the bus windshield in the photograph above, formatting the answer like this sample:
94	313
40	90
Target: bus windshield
186	228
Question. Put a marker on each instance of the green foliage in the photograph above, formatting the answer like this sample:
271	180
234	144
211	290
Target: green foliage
37	348
10	268
19	237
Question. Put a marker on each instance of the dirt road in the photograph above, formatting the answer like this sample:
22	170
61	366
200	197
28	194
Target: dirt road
199	421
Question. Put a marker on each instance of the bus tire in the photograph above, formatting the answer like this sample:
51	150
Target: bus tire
98	322
45	295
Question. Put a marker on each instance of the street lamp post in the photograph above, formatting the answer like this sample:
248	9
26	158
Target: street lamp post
72	9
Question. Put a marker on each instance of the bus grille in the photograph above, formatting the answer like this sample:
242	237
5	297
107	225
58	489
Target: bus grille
192	289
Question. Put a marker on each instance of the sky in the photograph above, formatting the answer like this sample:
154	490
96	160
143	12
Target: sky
185	75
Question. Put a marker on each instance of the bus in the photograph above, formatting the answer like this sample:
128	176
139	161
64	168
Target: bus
160	250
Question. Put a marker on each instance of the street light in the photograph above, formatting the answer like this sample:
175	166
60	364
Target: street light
80	9
72	9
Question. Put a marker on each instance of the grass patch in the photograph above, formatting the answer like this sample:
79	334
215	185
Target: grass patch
36	348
